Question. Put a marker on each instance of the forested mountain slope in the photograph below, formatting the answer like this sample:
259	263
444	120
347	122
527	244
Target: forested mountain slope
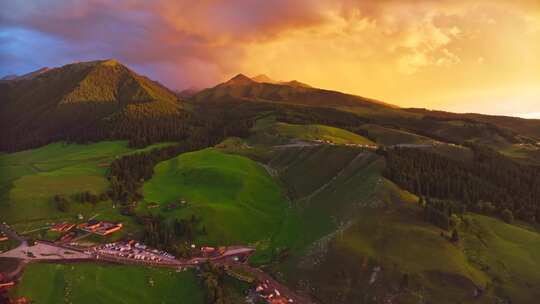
79	99
245	88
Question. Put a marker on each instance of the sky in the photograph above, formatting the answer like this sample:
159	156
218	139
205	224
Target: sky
457	55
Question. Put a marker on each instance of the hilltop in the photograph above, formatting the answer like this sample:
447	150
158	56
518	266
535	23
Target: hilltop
262	78
86	97
292	92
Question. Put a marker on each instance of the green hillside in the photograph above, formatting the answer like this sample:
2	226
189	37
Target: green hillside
351	221
320	132
238	201
87	283
31	178
508	254
268	131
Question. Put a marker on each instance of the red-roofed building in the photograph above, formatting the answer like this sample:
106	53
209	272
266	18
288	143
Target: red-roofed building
7	285
101	228
278	300
62	227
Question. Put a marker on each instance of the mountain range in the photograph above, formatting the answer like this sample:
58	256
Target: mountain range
56	103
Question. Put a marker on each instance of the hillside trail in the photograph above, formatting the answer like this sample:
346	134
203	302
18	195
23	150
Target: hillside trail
298	144
275	175
310	196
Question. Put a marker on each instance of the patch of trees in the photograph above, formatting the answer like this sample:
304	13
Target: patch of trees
174	235
62	203
490	184
319	115
141	124
90	197
440	212
213	279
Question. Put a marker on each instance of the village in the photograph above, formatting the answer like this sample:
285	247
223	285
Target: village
66	248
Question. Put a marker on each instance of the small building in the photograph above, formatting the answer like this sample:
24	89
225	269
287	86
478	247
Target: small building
100	228
62	227
7	285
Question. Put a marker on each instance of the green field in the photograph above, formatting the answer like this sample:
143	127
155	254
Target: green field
31	178
321	132
238	201
86	283
508	254
268	131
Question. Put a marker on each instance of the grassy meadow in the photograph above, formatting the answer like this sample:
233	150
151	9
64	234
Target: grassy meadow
31	178
270	132
508	254
237	200
87	283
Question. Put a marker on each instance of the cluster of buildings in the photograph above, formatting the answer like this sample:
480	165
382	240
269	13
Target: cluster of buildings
132	250
270	294
69	233
100	227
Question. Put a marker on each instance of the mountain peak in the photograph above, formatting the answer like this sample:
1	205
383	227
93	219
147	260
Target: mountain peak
110	62
296	83
240	79
263	78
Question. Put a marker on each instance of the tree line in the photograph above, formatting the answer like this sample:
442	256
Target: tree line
491	183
